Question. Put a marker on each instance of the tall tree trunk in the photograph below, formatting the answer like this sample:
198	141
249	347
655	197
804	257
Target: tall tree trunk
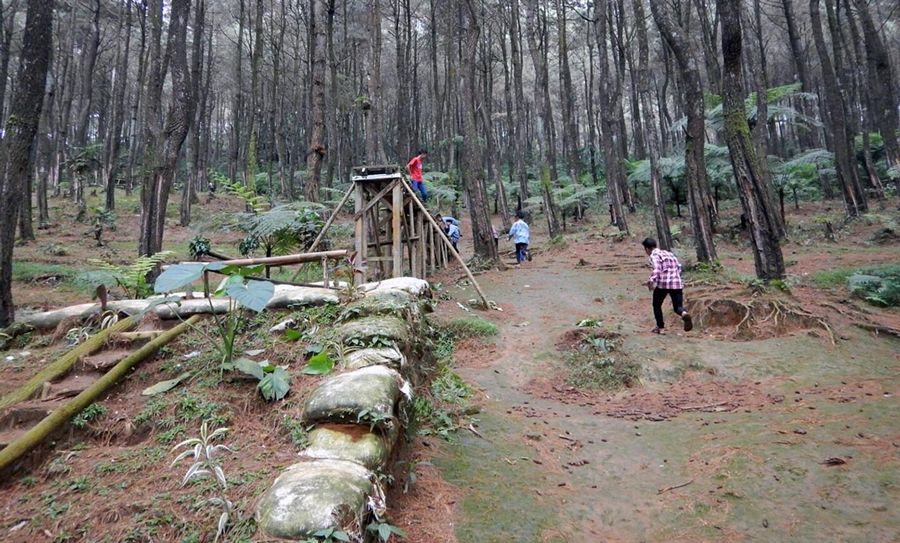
663	232
703	211
610	92
374	116
19	136
163	143
753	189
7	27
114	137
518	122
473	175
760	130
237	108
884	96
538	43
316	152
854	197
567	98
188	193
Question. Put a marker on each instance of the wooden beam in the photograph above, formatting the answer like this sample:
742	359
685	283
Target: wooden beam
396	225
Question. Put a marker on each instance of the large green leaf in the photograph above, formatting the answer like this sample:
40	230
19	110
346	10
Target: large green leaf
320	364
250	367
274	386
177	276
252	294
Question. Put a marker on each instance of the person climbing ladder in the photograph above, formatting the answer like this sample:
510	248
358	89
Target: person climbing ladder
415	173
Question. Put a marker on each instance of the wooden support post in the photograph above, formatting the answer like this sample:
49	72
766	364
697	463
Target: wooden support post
362	248
420	230
396	231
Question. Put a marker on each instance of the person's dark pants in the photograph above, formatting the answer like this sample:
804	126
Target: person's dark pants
420	187
455	248
521	252
659	296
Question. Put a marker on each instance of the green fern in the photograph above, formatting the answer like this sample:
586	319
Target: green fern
248	194
131	278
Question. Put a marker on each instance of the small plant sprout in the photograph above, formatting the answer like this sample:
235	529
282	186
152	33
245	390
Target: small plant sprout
202	450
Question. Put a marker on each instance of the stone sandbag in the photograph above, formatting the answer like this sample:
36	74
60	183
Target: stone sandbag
351	442
292	296
365	329
412	285
372	391
384	356
316	495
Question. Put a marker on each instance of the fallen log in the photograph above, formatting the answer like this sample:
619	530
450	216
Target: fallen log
59	416
63	364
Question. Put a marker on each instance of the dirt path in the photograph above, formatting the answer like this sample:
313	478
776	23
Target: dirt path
735	442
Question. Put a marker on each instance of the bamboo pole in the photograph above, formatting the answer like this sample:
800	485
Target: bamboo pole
334	214
281	260
59	416
64	363
447	243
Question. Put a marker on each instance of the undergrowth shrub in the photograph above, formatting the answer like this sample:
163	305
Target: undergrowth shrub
878	286
596	364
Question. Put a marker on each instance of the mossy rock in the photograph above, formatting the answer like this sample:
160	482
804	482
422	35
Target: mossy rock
369	331
384	356
316	495
392	302
351	442
367	395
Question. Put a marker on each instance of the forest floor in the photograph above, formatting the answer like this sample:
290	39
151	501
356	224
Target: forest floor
766	432
781	426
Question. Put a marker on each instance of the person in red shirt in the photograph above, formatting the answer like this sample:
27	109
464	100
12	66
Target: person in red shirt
665	280
415	172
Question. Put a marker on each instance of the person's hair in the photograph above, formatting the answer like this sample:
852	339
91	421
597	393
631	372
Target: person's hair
422	151
649	243
520	214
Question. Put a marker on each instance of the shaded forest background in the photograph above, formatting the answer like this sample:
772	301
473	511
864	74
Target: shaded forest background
554	106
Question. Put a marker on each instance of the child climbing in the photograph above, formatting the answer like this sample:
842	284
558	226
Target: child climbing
665	280
454	234
415	173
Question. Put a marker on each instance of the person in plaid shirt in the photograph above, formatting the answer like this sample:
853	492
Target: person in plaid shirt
665	280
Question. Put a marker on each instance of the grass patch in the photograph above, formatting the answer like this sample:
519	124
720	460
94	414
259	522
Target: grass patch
885	291
471	327
831	278
31	271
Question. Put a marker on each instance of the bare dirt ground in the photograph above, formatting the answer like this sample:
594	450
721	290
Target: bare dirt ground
753	432
780	428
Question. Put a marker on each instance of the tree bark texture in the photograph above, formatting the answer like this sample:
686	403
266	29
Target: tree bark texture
19	137
754	191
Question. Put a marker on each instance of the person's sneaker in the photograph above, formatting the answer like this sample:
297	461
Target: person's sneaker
658	330
688	321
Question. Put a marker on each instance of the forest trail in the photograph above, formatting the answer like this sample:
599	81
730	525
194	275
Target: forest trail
721	440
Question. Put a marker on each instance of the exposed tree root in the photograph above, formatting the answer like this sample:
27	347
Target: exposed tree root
758	318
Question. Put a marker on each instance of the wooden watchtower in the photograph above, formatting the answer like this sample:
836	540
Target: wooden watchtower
395	235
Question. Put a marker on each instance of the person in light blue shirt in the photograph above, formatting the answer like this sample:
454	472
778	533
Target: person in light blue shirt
454	234
519	234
